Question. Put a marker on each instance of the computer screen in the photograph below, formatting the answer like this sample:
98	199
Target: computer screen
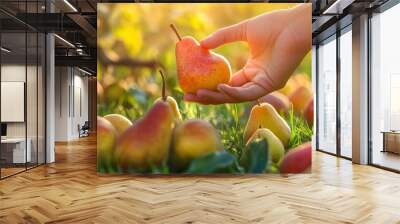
3	129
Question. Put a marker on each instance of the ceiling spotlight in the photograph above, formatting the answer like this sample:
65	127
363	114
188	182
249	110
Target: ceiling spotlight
65	41
5	50
70	6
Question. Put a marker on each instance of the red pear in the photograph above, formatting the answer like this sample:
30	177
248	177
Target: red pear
279	101
198	67
300	98
297	160
147	142
309	112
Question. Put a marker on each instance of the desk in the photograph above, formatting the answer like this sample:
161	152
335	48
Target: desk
391	141
15	148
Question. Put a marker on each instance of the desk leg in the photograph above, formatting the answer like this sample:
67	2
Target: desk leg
384	142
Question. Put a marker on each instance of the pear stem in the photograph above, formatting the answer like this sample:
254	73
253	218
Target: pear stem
175	31
258	102
164	97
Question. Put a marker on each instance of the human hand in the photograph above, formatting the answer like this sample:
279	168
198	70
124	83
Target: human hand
278	41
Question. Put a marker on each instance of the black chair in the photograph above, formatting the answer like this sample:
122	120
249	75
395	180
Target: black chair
84	130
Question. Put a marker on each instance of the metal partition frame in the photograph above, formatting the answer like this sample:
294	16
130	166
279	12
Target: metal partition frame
44	75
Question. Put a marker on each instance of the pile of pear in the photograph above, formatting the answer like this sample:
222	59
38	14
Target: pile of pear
266	123
159	137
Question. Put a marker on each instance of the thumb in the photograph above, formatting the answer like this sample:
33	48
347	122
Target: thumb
225	35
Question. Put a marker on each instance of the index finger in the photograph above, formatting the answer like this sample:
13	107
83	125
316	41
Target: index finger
225	35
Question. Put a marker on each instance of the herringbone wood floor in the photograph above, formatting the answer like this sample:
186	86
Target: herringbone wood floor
70	191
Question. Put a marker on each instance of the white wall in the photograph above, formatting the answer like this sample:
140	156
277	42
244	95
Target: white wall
61	103
71	93
81	100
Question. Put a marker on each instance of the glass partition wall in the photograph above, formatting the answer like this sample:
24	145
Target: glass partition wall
385	89
345	92
22	77
327	96
13	94
334	98
334	105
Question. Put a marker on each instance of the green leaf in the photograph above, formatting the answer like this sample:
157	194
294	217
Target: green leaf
216	162
255	157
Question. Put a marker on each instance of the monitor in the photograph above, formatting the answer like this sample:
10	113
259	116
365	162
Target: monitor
3	129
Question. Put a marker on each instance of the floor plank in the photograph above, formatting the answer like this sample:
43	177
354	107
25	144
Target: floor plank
70	191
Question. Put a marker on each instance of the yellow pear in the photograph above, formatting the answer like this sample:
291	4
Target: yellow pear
119	122
192	139
170	100
295	81
265	116
300	99
106	138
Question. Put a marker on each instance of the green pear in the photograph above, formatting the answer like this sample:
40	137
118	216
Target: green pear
275	147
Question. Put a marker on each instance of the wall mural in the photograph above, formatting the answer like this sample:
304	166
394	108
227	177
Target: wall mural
204	88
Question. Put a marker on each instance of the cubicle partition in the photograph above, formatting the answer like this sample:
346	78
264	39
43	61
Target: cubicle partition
22	92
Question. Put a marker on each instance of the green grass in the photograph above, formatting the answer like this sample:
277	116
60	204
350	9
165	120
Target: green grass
301	132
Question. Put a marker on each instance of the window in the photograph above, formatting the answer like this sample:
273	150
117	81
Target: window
385	89
327	96
346	75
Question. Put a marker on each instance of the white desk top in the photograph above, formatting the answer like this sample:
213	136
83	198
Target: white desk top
13	140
